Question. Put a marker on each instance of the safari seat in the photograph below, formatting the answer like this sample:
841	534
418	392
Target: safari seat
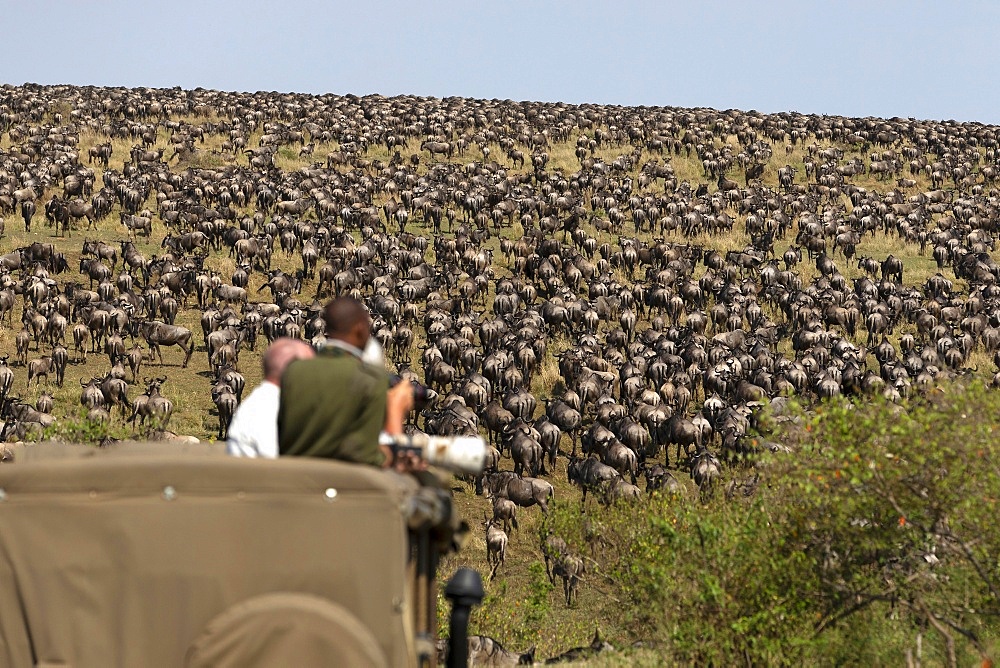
150	555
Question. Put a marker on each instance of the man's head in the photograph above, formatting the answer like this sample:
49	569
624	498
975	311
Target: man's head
347	320
280	354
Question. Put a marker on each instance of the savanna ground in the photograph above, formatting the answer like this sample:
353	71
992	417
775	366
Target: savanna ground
647	579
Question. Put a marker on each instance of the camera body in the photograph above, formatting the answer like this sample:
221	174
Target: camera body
421	394
458	454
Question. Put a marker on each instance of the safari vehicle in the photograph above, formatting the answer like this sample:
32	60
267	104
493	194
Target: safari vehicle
153	554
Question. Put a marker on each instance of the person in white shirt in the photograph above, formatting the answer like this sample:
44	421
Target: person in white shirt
253	431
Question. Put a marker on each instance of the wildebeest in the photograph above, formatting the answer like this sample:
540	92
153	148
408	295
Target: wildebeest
60	358
496	546
591	475
497	419
570	568
525	492
39	368
6	378
522	442
115	392
553	548
705	471
159	334
505	512
576	654
225	401
566	418
17	410
438	147
153	406
659	479
485	651
45	403
91	396
618	490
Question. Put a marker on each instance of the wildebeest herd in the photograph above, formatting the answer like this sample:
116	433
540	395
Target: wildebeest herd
613	291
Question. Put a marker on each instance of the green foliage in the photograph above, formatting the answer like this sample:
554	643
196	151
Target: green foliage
80	430
537	607
518	620
873	542
695	578
896	511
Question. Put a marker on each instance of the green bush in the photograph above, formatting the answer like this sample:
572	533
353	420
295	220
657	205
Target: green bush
873	542
896	510
81	430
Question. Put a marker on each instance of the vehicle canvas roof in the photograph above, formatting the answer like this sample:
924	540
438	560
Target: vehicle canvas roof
149	554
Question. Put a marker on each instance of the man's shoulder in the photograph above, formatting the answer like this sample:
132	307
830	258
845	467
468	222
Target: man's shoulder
264	393
326	365
315	366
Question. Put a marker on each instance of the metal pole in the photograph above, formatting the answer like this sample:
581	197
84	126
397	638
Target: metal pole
464	590
425	581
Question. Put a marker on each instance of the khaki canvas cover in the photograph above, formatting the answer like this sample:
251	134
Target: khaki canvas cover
148	555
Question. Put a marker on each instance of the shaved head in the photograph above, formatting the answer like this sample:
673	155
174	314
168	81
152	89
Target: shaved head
347	319
281	353
343	314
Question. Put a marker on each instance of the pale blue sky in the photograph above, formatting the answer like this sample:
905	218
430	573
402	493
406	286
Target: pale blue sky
930	60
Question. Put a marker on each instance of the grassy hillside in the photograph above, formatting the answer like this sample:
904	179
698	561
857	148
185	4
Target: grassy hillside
705	614
188	388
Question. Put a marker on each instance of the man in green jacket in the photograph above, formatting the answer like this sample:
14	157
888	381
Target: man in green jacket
335	405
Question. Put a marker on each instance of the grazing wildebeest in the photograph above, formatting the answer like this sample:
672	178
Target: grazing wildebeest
152	405
570	568
39	368
225	400
485	651
591	475
159	333
525	492
496	546
553	548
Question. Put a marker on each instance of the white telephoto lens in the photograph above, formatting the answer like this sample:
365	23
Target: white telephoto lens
463	454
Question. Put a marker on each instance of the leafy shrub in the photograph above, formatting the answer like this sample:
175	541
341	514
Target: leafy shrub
896	511
873	541
81	430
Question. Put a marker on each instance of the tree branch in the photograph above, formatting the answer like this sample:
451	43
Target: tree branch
940	628
950	535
